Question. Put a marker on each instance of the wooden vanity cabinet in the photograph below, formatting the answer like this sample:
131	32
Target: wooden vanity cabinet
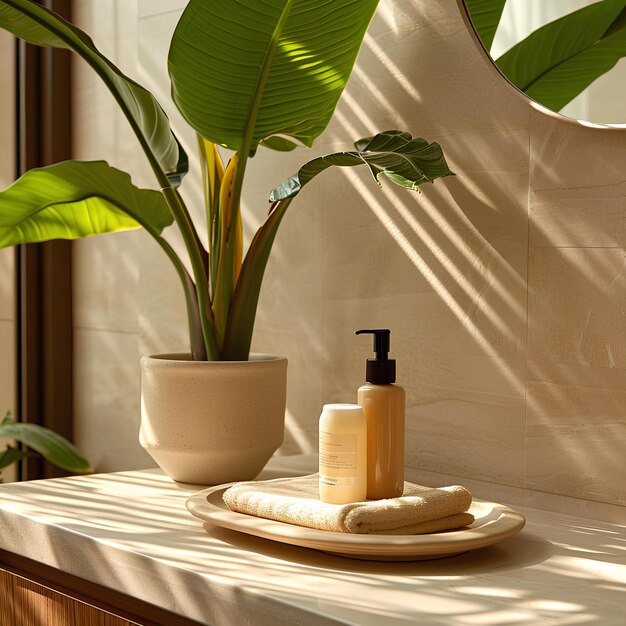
33	594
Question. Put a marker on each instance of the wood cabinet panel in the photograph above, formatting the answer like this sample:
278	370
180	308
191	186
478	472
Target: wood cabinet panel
25	603
35	594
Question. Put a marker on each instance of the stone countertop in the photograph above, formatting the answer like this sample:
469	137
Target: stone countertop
130	531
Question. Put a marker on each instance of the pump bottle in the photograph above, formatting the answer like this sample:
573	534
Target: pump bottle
383	405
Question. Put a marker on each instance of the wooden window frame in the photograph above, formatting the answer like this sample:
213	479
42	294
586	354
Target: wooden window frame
44	393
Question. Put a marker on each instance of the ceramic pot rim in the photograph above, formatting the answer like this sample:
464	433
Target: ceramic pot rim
183	359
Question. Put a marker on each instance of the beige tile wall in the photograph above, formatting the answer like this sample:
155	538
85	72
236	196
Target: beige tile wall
576	428
7	283
504	286
107	269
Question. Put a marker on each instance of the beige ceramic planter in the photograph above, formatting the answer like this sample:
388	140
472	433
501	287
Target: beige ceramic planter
212	422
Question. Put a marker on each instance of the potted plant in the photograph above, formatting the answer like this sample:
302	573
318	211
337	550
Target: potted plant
54	448
261	75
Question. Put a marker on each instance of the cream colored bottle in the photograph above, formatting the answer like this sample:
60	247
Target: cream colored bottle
383	404
343	454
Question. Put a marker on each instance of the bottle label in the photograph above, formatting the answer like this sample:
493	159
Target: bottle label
337	481
338	459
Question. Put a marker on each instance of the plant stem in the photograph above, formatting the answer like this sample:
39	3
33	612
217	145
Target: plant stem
190	237
197	253
194	249
240	324
196	338
199	267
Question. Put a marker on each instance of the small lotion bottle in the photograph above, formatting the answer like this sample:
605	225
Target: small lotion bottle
343	454
383	405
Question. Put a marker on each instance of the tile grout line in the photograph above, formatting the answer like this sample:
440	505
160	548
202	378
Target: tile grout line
525	478
544	247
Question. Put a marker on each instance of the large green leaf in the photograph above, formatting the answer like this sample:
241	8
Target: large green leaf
42	27
49	444
406	161
486	16
244	70
75	199
561	57
395	154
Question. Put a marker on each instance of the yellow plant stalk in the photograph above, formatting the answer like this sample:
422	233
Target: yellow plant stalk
225	275
238	247
212	176
230	209
225	203
215	166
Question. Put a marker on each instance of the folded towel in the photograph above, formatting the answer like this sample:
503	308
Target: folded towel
296	501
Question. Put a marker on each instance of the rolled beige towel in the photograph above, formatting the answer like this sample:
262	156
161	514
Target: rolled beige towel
296	501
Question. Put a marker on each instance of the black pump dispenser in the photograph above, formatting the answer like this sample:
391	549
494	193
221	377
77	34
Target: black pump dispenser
381	370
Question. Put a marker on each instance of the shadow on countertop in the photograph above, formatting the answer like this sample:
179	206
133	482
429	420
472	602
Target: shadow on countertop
517	552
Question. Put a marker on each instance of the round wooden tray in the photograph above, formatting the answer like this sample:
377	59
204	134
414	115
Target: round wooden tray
494	523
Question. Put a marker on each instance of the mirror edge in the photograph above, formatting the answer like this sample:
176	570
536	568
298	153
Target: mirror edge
484	53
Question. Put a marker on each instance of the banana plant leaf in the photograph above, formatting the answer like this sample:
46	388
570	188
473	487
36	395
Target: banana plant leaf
558	61
39	26
243	71
281	144
75	199
405	161
395	154
486	16
9	456
46	442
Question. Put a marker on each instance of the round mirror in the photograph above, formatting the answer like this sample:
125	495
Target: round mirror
568	55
